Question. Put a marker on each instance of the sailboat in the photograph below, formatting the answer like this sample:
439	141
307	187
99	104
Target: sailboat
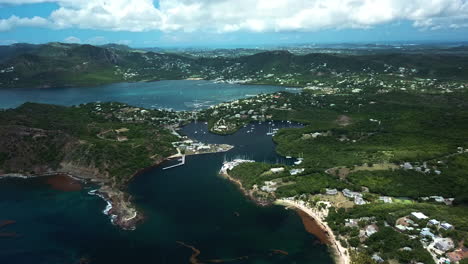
270	132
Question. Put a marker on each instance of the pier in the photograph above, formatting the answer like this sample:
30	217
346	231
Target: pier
176	165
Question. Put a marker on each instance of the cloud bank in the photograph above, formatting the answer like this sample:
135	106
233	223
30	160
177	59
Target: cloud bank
241	15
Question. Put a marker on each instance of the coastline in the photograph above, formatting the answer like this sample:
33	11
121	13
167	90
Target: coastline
249	194
340	253
119	208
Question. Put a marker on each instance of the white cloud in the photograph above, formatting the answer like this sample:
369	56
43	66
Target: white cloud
72	39
246	15
14	21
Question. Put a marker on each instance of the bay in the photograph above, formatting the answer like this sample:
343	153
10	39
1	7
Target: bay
188	206
177	95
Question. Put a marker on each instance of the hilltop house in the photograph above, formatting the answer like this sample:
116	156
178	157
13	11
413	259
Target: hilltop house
446	226
419	216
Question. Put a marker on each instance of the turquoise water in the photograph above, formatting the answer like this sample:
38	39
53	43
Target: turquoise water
178	95
189	204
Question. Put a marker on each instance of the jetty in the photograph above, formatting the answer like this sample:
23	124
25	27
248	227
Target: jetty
182	162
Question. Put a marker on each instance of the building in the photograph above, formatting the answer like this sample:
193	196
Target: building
277	170
426	232
401	228
419	216
348	193
351	222
269	187
377	258
331	191
371	229
359	201
385	199
434	222
296	171
407	166
444	244
446	226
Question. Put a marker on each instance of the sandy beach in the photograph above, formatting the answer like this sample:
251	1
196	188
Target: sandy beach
340	253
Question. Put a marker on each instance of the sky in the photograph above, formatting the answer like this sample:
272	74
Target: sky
232	23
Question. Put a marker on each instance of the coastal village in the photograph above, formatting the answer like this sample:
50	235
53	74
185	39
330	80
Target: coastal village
430	232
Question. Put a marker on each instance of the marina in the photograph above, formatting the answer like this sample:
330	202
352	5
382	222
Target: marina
182	162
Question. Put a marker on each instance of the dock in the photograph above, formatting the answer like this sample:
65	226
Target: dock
176	165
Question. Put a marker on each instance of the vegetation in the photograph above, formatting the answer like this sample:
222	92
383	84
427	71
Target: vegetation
59	64
400	144
414	184
37	137
388	242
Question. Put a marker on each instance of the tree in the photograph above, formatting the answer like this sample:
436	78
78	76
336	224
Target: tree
361	258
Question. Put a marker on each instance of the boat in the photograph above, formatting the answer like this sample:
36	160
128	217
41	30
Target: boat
270	132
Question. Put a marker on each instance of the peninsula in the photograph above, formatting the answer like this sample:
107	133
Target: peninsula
103	143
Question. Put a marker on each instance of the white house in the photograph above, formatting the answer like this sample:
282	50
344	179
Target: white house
419	216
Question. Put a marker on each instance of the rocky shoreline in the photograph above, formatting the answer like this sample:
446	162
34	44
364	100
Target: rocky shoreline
120	209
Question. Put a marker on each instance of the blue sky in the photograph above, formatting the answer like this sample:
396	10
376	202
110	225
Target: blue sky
231	23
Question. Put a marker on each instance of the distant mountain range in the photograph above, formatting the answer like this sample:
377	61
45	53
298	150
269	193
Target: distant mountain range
59	64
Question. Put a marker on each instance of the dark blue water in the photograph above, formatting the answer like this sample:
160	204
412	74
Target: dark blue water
178	95
189	204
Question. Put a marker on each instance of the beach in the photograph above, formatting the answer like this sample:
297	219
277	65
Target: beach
340	253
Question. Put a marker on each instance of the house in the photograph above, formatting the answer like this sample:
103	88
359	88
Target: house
444	244
277	170
371	229
407	166
446	226
426	232
348	193
434	222
419	216
377	258
359	201
401	228
331	191
299	161
269	186
351	222
385	199
296	171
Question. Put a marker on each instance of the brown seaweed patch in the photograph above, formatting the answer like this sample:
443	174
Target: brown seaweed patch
313	227
280	252
193	258
227	260
64	183
196	252
6	222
